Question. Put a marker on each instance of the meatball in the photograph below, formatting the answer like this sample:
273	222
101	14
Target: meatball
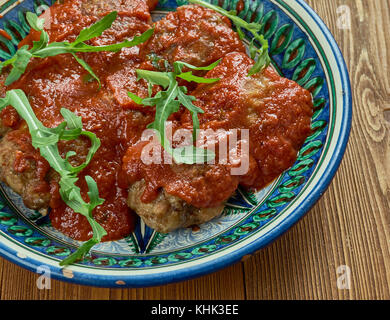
167	213
176	195
24	170
276	111
193	34
133	7
3	128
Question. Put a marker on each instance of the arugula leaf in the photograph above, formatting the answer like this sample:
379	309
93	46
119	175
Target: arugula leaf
240	33
169	101
160	78
178	66
186	101
35	23
96	29
43	49
19	64
46	140
93	192
263	59
42	43
165	106
135	98
188	76
191	155
87	67
81	251
72	121
92	150
82	47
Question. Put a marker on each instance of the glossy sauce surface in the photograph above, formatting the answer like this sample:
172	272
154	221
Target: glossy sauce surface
276	111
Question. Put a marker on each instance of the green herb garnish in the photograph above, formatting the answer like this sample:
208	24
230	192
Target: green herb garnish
43	49
46	140
263	59
168	101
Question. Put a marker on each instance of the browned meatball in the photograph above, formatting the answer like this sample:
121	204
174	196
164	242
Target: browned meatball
3	129
167	213
123	7
193	34
24	170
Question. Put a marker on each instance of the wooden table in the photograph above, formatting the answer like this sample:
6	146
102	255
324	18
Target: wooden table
350	225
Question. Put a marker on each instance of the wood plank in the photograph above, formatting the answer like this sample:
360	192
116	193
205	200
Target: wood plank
226	284
20	284
350	225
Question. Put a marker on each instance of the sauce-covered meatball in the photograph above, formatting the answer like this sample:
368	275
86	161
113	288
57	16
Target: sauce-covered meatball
193	34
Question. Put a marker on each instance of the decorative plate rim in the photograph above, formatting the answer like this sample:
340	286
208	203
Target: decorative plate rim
125	278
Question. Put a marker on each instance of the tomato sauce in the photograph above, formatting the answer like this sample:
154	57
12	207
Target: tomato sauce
276	110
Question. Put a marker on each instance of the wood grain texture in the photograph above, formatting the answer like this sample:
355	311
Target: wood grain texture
350	225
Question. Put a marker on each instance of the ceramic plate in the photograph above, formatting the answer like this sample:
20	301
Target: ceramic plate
302	49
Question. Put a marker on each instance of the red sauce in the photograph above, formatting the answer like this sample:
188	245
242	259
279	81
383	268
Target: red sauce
281	124
277	112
